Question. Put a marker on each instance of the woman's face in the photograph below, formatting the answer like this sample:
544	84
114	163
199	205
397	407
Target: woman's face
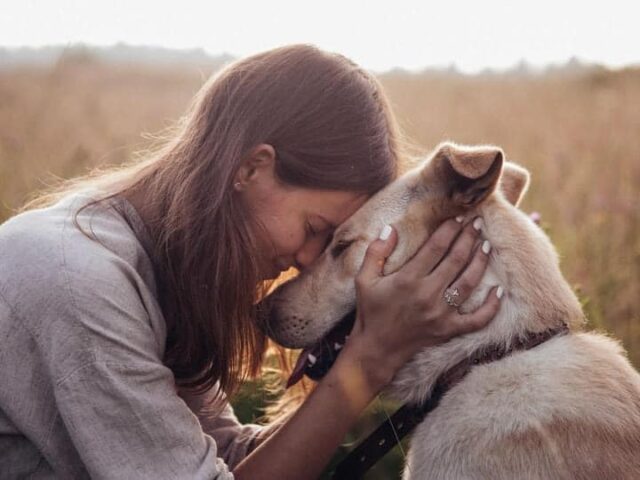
292	224
295	225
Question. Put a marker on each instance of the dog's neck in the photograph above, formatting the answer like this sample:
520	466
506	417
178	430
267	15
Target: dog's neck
536	297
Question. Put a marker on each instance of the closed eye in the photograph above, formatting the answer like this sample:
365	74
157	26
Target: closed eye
340	247
314	232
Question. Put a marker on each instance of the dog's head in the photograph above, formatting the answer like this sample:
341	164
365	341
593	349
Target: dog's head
454	180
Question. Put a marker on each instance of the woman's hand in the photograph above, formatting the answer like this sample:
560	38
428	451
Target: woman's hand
401	313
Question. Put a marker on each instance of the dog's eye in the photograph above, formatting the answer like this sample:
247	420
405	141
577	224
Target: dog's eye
340	247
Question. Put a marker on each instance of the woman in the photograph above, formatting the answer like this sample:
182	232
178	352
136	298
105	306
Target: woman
128	306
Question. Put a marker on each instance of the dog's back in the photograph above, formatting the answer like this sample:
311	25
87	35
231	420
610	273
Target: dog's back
567	409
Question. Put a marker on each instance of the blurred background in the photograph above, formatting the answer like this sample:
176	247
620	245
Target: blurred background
556	84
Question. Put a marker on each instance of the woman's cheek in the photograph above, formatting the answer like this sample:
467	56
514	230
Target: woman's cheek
288	242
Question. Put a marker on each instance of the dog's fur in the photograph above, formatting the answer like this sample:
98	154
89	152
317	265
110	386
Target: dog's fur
569	408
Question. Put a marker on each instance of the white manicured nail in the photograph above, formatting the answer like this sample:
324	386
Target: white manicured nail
459	218
486	247
312	359
499	292
477	224
386	231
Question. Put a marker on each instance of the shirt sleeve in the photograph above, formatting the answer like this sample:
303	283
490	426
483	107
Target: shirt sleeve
127	421
234	440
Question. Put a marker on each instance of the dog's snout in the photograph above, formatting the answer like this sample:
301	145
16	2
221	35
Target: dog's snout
286	329
290	331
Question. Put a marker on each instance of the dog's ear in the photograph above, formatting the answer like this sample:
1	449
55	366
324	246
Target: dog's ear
470	174
514	182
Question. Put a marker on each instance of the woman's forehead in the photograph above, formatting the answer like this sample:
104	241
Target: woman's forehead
336	206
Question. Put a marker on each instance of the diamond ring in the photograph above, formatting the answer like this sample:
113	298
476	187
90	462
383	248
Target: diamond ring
450	295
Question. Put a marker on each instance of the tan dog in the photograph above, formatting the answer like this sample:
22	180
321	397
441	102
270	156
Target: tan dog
567	409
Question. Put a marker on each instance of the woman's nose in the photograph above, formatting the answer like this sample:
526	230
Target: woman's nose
310	251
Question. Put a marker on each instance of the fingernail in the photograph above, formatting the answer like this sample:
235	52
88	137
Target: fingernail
459	218
477	224
486	247
386	231
499	292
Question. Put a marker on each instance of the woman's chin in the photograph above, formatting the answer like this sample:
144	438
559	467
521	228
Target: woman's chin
267	277
270	272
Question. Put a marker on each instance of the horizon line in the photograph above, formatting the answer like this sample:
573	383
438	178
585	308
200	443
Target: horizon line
523	65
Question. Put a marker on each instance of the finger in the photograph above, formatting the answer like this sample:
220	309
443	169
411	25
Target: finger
434	249
472	274
458	257
479	318
377	253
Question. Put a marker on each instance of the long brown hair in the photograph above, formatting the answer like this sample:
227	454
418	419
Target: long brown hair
331	127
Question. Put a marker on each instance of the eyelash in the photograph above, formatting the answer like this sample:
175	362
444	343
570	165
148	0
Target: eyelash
311	230
340	247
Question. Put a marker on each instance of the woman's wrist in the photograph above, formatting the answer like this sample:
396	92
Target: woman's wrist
303	445
364	363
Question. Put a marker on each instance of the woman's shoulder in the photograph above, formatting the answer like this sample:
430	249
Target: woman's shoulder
31	248
82	222
81	273
74	248
74	234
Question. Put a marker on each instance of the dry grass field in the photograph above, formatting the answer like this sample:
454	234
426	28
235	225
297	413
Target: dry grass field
578	133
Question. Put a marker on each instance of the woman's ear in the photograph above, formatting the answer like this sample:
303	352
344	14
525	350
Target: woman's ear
469	174
260	161
514	182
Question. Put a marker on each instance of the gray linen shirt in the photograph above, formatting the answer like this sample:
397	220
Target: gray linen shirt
83	391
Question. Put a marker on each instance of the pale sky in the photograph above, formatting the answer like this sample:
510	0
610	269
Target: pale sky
378	35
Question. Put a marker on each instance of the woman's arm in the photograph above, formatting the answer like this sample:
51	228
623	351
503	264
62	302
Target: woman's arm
305	443
397	315
234	440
